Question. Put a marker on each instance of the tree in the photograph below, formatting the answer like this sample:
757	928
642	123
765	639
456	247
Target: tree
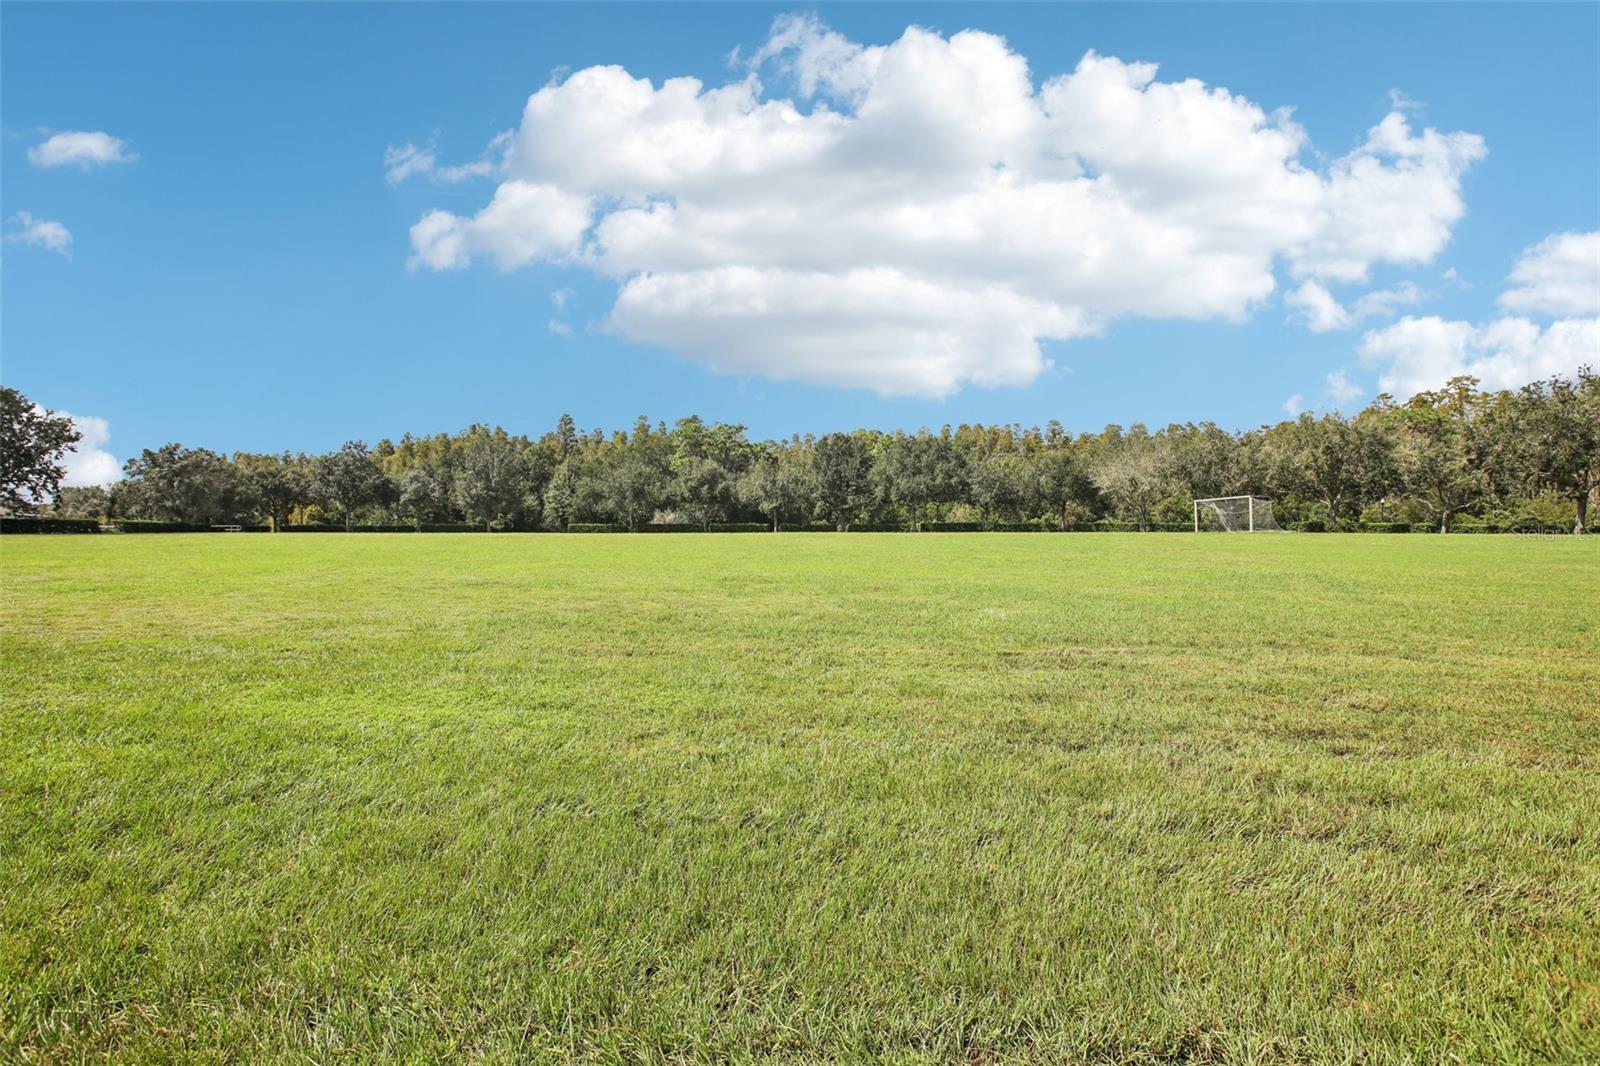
32	444
1062	481
1438	451
350	479
492	481
1132	474
1203	460
1341	463
918	471
561	495
178	484
425	493
633	488
566	436
778	484
843	477
88	501
272	484
1559	429
999	486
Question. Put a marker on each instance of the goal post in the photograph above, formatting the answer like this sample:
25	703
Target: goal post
1235	514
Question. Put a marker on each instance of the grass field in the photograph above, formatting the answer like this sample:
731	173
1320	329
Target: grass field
937	798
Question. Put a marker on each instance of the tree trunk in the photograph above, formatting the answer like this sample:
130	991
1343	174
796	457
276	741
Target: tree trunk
1583	513
1444	522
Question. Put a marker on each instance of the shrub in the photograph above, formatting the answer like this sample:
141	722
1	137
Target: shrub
952	527
25	524
1313	525
742	527
595	527
1386	527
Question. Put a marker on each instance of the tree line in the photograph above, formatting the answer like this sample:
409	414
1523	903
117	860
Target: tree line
1458	455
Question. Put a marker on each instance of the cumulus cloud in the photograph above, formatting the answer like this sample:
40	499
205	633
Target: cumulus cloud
523	222
1294	405
81	149
1558	276
922	215
88	463
1321	311
1423	353
40	233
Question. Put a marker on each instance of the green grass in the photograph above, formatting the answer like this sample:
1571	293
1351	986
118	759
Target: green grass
938	798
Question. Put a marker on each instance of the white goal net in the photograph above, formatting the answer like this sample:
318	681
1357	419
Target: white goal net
1235	514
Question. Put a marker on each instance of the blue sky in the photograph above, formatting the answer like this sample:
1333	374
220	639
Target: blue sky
248	278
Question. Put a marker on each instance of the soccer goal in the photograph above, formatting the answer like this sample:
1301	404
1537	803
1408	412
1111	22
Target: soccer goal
1235	514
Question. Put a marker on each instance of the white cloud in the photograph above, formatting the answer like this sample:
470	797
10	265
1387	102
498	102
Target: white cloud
1317	307
1321	312
80	149
559	328
41	233
919	216
1423	353
522	223
1399	101
1341	389
88	463
1558	276
1294	405
559	297
407	160
402	161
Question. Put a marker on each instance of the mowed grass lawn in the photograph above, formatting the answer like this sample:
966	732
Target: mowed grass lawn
901	798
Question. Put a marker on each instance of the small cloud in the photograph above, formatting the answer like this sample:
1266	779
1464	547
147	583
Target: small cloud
402	161
1341	388
1399	101
41	233
407	160
560	297
1385	301
81	149
1294	405
88	463
1317	308
560	329
1321	312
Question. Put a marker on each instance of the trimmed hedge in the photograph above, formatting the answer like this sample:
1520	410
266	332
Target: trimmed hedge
595	527
26	524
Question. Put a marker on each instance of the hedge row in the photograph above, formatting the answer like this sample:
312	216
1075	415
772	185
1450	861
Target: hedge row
20	524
